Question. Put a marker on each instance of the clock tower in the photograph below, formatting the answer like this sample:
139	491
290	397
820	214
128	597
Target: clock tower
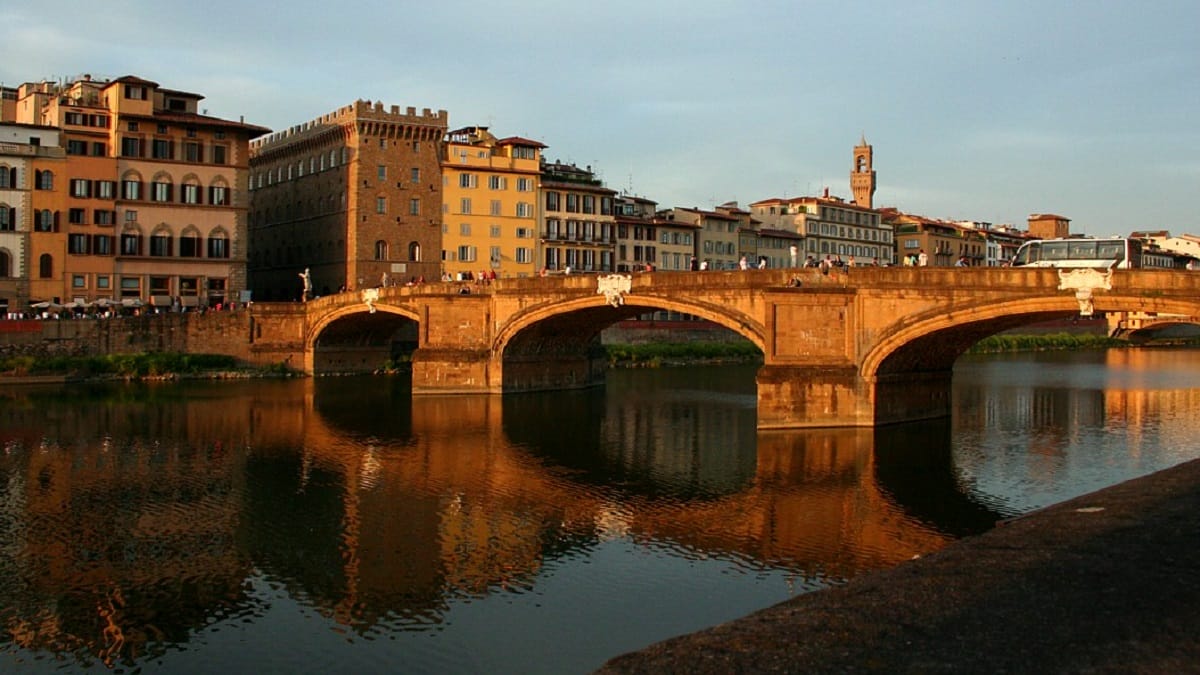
862	176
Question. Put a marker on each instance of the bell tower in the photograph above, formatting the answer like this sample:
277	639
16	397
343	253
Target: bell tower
862	176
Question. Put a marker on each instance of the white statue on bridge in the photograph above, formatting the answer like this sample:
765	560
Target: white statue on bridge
306	280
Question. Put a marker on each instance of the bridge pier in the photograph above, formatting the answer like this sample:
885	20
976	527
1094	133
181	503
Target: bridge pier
452	371
792	397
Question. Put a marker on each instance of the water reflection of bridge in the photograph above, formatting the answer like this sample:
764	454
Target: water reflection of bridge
119	548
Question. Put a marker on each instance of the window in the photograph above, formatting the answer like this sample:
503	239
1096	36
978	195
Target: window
131	189
135	92
381	205
466	253
8	218
44	180
218	154
414	251
524	255
5	264
468	180
551	201
46	266
131	216
131	146
465	205
494	256
497	183
162	149
76	216
381	250
524	185
496	207
572	203
160	192
524	210
81	187
193	152
160	244
218	195
105	189
189	245
99	148
131	243
77	244
8	176
414	207
464	229
131	287
191	194
524	233
415	175
102	244
218	247
381	171
46	221
103	282
76	147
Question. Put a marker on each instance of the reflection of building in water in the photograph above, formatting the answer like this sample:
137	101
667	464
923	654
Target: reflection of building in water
387	509
94	532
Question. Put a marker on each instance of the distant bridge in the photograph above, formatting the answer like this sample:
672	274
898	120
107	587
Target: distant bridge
858	347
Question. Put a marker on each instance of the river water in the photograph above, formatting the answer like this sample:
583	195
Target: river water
338	525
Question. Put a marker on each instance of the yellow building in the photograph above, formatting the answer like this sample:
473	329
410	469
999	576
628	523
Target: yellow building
489	206
150	200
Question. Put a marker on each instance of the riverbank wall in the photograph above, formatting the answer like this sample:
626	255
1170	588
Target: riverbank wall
216	332
1105	583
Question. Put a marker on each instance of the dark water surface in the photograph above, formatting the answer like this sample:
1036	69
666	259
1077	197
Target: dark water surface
338	525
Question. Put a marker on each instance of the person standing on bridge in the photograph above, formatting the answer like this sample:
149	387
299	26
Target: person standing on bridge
794	254
743	264
922	259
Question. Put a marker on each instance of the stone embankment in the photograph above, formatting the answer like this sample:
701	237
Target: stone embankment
1105	583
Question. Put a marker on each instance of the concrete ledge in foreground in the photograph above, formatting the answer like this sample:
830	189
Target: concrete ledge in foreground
1105	583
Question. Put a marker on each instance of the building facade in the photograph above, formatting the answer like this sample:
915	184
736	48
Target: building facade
830	227
578	223
943	242
489	205
349	196
1049	226
144	201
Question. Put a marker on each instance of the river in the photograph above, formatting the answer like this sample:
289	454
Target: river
339	525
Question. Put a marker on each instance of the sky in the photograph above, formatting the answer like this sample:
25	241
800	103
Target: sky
986	111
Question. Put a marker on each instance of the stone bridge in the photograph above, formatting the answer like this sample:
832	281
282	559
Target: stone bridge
860	347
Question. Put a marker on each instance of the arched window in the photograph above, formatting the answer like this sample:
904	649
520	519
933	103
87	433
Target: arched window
414	251
189	242
190	190
46	221
8	218
160	242
46	266
44	180
5	264
218	244
218	192
381	250
8	176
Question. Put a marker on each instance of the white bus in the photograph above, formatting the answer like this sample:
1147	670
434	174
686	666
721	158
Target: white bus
1098	253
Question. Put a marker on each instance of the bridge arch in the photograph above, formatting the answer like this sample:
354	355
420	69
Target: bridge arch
352	338
556	345
595	313
933	340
